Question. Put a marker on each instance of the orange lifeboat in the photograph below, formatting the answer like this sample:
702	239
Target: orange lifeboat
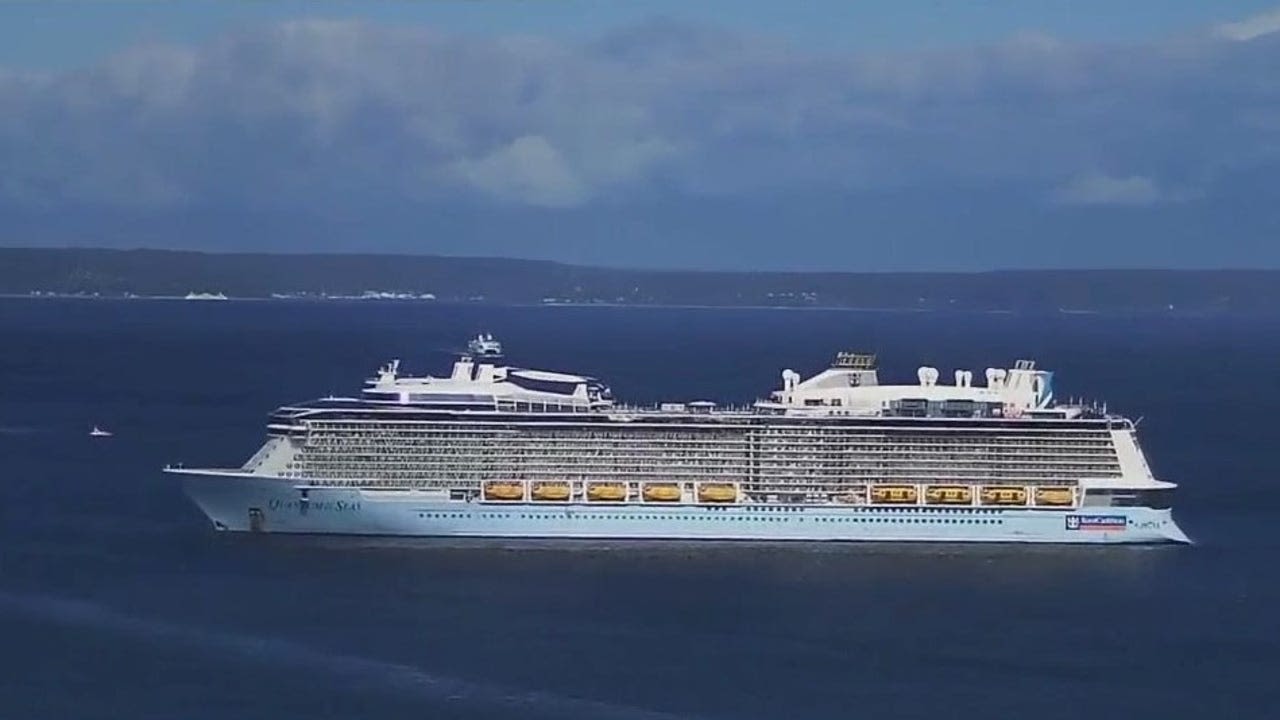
717	493
1055	496
607	492
662	492
948	495
1004	495
503	491
551	491
894	494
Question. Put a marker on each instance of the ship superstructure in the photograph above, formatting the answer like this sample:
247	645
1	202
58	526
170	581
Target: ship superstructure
494	450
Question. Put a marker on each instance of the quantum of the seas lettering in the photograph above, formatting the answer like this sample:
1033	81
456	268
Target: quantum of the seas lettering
300	505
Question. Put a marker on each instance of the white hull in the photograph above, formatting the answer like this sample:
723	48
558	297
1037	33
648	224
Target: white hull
248	503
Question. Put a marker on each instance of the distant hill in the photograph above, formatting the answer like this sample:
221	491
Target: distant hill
26	271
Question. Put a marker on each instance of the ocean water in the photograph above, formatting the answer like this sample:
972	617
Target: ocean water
117	600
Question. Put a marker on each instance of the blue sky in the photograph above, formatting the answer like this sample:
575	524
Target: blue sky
820	135
43	34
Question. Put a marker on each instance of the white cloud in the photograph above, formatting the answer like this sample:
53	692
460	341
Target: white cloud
1249	28
528	170
339	112
1100	189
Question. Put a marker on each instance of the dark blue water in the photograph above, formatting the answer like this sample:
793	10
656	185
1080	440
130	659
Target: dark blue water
116	600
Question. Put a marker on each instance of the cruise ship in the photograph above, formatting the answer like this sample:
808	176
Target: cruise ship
497	451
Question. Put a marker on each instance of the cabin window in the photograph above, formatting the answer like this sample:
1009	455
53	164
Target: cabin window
1156	499
1122	497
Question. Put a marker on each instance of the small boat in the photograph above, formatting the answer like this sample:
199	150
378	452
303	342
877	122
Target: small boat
894	494
1055	496
484	346
948	495
717	492
607	492
99	432
503	491
661	492
1004	495
551	491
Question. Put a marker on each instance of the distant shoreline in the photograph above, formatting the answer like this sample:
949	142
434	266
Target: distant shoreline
76	273
617	306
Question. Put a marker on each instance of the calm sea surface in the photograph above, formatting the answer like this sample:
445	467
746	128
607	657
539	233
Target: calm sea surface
118	601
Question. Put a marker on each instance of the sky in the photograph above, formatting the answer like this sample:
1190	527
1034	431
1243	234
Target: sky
740	135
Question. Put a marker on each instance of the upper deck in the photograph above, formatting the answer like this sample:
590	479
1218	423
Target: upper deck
848	391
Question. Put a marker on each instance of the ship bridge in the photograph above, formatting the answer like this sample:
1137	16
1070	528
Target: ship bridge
483	385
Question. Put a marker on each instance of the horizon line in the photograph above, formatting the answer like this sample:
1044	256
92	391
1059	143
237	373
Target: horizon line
630	268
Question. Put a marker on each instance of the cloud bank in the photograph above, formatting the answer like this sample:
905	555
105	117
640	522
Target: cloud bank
324	113
1098	189
1250	28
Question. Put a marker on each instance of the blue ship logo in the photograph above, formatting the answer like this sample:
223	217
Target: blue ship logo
1096	522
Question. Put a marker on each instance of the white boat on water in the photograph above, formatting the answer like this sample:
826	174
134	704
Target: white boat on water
99	432
484	346
205	296
494	450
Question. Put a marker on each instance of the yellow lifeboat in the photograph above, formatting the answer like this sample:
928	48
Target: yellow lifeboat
1055	496
503	491
607	492
1004	495
662	492
948	495
894	494
717	492
551	491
